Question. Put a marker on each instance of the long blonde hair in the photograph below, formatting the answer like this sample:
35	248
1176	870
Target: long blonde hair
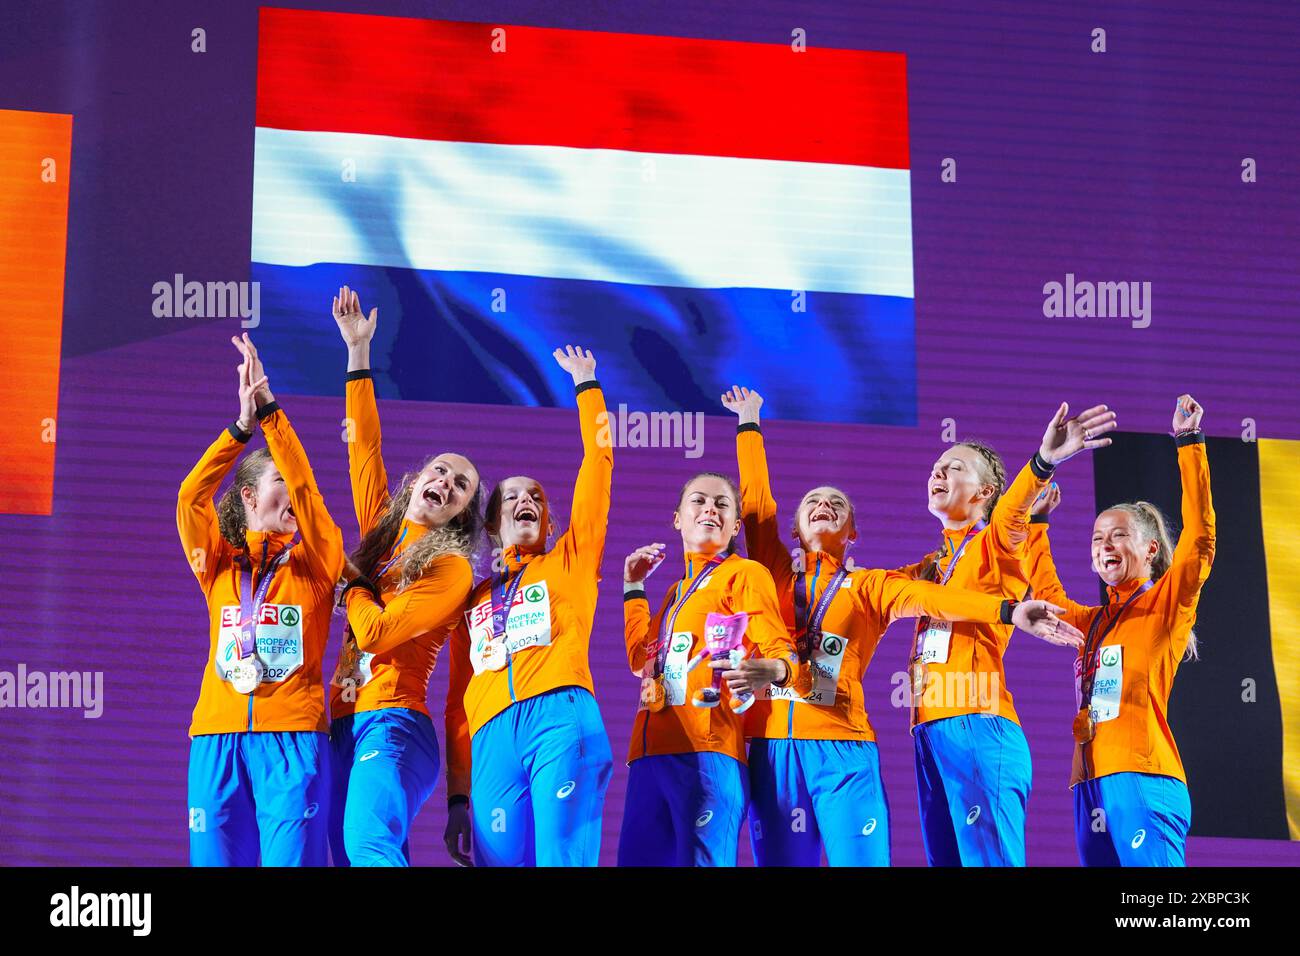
461	535
1152	525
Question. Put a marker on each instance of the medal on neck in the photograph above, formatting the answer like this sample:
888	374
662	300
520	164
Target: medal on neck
246	673
1085	728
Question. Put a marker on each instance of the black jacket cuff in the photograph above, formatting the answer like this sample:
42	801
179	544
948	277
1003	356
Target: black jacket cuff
1040	468
748	427
359	374
267	410
579	389
1191	438
237	433
1008	607
1038	519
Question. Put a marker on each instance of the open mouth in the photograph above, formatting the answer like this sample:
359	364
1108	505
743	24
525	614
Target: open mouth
709	523
827	516
938	488
1110	563
525	515
432	497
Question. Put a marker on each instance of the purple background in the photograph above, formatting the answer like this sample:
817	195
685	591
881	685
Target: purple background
1122	166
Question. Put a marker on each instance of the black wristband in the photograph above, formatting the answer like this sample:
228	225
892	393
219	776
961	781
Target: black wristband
1190	438
456	800
360	581
636	594
1041	468
579	389
748	427
238	434
1008	608
267	410
359	374
1038	519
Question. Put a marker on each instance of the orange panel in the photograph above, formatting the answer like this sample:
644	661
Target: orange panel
35	162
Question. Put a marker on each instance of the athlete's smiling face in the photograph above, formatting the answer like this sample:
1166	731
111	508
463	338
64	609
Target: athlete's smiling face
708	516
825	520
267	507
957	491
523	518
1119	551
442	490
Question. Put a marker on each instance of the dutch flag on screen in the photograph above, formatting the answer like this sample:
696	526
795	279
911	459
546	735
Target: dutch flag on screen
697	212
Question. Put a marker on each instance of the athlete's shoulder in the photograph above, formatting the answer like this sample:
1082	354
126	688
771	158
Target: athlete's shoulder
746	569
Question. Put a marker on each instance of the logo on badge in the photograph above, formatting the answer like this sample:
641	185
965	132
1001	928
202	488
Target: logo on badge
534	594
1110	656
831	646
289	616
680	645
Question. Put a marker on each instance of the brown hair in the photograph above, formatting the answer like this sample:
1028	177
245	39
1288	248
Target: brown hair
992	471
461	535
735	493
1152	525
853	515
232	519
493	511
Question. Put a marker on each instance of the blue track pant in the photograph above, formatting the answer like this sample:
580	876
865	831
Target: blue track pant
683	810
386	765
539	770
259	793
1132	819
806	793
973	776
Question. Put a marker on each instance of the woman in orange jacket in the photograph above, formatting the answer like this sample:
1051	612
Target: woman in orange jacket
814	770
973	769
528	759
686	789
266	557
410	576
1131	804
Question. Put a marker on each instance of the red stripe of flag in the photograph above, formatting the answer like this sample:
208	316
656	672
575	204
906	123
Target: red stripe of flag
440	80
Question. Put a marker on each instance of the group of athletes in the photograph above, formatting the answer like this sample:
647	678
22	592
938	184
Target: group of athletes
528	758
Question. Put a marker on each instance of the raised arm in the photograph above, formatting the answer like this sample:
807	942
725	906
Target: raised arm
196	516
321	538
433	603
365	460
1194	553
1040	568
757	504
1062	440
637	566
584	540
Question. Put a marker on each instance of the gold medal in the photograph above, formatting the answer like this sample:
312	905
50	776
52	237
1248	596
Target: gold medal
653	694
1085	728
919	671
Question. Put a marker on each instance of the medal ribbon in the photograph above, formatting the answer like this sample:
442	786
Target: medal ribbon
501	612
669	619
250	600
1088	671
923	622
807	628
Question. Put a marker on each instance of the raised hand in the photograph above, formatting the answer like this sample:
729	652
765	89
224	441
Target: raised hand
1187	416
744	403
1047	500
262	393
248	389
353	324
641	563
581	365
1039	619
1066	437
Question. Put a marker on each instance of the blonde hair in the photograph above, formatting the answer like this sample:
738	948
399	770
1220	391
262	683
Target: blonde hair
992	471
1152	526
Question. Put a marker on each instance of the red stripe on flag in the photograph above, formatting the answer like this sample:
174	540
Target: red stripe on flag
436	79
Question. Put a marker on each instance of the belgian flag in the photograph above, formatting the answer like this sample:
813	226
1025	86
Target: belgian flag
1235	713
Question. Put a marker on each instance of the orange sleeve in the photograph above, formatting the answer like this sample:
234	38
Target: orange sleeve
757	505
365	462
1194	553
922	570
321	537
196	516
892	594
455	720
636	628
433	603
584	541
1009	526
1040	570
755	591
